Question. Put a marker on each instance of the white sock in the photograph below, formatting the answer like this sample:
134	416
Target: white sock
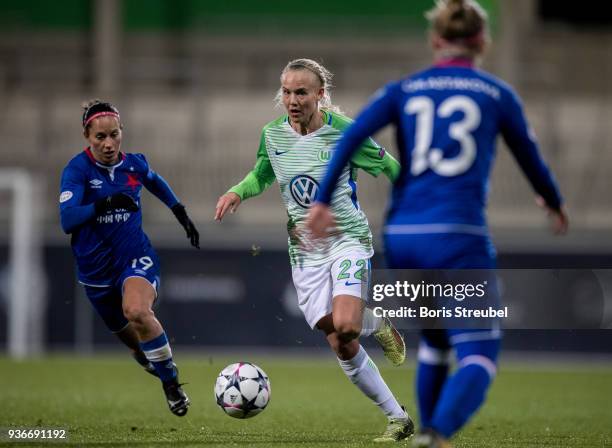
371	323
364	374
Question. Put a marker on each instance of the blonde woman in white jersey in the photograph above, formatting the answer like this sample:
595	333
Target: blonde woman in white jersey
294	150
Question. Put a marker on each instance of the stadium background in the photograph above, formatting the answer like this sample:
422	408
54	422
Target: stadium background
195	82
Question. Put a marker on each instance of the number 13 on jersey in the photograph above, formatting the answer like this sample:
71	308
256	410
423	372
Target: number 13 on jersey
425	157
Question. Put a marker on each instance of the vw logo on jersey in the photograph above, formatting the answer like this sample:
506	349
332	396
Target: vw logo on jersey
304	190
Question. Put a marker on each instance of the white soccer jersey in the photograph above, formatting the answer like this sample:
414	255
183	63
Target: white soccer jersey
299	162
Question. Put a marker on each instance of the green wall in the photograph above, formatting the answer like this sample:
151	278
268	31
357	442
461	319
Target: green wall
232	16
45	14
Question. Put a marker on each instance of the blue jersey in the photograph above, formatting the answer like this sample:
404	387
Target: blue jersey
447	120
104	245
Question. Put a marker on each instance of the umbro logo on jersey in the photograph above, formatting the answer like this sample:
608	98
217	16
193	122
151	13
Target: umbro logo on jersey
304	190
95	183
278	153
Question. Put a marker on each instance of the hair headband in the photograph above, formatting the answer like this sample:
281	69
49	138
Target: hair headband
100	114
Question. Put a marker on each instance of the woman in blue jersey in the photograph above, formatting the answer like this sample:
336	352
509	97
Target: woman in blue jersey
100	209
447	119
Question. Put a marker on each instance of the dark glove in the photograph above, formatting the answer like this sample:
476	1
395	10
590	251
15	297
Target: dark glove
192	233
119	200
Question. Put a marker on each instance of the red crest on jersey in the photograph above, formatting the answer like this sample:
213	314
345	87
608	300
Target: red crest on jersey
132	181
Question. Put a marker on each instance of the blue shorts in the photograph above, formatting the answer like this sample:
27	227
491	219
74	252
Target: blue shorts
447	251
108	300
439	251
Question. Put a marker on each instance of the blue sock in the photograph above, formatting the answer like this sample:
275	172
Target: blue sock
462	395
429	382
159	353
140	358
432	370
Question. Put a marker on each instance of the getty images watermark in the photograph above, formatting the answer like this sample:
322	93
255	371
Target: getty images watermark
511	298
422	291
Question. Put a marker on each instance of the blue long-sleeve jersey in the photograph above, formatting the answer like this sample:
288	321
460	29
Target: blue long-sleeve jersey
447	119
104	244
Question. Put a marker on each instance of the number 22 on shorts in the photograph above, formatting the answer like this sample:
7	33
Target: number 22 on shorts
346	265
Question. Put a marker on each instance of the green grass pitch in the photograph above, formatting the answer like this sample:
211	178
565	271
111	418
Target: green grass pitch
109	401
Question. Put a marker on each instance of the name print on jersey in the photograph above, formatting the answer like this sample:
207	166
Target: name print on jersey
113	218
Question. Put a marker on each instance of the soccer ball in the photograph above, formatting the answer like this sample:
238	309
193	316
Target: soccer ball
242	390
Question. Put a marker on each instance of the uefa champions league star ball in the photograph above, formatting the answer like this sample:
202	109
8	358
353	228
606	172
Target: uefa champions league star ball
242	390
